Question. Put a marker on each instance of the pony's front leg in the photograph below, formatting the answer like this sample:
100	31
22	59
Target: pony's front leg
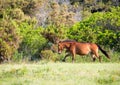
73	56
66	57
73	52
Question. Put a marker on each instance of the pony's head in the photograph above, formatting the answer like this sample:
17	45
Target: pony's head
64	44
60	47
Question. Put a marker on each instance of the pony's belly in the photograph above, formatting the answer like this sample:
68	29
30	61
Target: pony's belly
83	51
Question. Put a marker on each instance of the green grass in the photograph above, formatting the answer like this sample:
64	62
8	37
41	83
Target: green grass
114	58
43	73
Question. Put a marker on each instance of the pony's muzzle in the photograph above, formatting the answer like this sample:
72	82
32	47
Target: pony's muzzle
59	52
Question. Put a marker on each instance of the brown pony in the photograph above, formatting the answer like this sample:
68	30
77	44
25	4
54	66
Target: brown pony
73	47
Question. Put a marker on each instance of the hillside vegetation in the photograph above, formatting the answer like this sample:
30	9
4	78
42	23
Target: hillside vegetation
30	29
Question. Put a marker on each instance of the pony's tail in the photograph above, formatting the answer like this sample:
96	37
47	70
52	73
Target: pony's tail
104	52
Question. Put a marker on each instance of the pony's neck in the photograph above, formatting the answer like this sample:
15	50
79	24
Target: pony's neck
66	45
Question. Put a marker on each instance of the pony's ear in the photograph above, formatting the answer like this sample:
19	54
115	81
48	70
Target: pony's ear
59	41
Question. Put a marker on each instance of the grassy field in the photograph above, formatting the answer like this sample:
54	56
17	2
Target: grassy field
60	74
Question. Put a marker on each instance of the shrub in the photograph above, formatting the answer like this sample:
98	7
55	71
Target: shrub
101	28
12	15
49	55
53	33
9	39
32	40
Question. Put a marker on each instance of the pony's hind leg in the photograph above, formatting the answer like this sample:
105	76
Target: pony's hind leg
93	57
97	55
66	57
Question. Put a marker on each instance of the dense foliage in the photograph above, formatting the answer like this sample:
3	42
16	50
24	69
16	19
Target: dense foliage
101	28
17	29
9	40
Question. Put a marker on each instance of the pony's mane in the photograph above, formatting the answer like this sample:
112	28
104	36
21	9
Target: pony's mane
68	41
73	41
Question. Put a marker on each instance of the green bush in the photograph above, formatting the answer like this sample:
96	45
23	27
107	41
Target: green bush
49	55
9	39
53	33
32	40
13	18
101	28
